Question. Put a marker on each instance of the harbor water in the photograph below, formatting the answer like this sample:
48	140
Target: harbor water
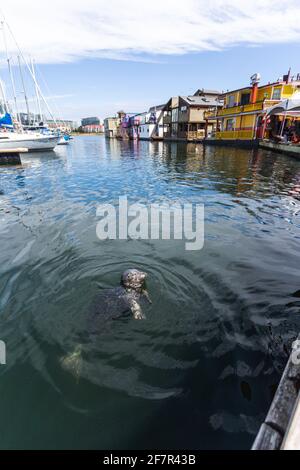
201	370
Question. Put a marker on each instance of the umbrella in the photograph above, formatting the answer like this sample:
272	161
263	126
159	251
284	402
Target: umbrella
284	106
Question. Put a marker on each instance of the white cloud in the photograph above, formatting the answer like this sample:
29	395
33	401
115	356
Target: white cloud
67	30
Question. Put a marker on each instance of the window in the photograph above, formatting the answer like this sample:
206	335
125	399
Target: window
175	115
230	125
245	98
174	129
276	94
183	109
183	127
230	101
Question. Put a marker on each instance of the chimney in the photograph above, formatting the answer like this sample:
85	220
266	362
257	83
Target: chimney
255	79
254	91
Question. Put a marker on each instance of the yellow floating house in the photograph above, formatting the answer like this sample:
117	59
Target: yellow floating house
242	119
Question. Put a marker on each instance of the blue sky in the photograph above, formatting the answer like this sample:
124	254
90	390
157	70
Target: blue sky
98	57
102	87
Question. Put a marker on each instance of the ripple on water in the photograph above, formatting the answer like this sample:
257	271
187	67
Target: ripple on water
216	334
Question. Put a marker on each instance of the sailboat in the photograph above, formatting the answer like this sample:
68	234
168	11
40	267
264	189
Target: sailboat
11	139
13	135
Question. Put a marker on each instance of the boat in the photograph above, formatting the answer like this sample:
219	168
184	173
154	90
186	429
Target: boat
35	135
33	142
64	140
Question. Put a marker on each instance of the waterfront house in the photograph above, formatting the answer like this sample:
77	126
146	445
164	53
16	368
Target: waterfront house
242	119
134	125
151	125
111	125
127	128
183	116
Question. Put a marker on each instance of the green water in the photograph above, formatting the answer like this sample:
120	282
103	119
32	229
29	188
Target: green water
200	371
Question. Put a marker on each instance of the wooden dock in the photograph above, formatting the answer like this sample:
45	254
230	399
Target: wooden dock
281	428
289	149
11	156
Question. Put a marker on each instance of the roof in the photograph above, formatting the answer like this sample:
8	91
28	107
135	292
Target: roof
279	82
201	101
205	91
156	108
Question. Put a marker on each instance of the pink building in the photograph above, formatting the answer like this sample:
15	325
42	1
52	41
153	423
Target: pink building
93	128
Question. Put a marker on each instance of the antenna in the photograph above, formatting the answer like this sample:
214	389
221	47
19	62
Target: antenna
255	78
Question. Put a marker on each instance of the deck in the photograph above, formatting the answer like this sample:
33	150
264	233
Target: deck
281	428
11	156
290	149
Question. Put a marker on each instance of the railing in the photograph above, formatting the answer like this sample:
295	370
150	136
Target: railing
210	114
242	135
247	108
196	135
167	119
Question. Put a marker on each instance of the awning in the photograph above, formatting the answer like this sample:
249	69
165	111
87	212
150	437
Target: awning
287	107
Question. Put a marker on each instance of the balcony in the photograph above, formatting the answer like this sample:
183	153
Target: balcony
232	135
247	108
210	114
196	135
167	119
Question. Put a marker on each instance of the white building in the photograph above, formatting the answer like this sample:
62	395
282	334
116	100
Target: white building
151	126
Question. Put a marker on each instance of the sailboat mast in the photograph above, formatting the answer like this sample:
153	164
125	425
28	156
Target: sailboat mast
10	73
32	75
4	97
24	90
37	91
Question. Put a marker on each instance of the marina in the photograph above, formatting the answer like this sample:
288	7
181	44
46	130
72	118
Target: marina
150	227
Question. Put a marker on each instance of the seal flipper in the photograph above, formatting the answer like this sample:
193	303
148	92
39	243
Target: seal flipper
73	362
136	310
147	296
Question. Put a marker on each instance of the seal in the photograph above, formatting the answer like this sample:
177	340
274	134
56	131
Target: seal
111	304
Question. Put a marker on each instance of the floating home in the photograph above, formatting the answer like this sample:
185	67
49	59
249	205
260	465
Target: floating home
151	125
184	116
111	125
243	118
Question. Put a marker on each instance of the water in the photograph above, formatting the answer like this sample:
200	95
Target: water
200	372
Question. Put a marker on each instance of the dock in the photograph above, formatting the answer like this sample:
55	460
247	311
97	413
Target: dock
290	149
11	156
281	428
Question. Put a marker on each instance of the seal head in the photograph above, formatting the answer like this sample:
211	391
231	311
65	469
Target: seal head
133	279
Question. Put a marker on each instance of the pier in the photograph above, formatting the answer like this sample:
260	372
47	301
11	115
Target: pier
290	149
11	156
281	428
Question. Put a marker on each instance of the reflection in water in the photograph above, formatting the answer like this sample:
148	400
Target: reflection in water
200	371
